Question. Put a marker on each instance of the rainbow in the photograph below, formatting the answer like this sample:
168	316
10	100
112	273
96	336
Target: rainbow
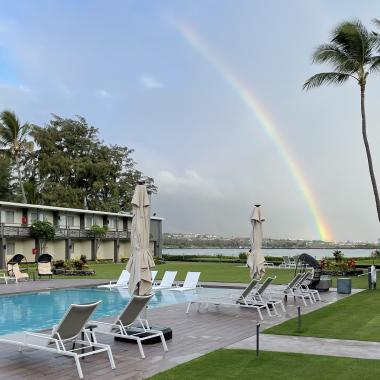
248	97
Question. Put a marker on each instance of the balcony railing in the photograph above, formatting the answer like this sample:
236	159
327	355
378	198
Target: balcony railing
62	233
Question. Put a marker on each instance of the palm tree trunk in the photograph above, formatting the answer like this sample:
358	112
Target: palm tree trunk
20	180
368	152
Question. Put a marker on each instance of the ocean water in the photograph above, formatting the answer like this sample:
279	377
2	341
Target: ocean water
317	253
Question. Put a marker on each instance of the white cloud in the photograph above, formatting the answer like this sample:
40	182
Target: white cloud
190	183
150	82
103	93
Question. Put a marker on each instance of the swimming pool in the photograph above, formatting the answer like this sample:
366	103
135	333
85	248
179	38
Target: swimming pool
36	311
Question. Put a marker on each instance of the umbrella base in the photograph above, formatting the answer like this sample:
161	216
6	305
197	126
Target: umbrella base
167	331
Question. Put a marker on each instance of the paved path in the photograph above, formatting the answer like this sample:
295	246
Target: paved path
314	346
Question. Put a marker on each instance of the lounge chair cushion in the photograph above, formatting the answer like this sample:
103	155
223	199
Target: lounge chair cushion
44	269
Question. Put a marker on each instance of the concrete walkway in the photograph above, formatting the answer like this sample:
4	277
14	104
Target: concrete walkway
313	346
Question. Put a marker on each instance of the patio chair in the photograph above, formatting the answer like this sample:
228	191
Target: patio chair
304	287
167	281
66	335
123	326
292	290
190	283
14	271
121	282
287	263
241	300
262	295
44	265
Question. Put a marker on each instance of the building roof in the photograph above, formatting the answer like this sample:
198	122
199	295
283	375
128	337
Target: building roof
65	209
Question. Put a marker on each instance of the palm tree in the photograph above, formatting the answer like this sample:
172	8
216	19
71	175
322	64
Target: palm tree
13	140
353	54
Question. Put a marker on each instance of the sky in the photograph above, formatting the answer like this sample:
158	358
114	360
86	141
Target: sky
209	94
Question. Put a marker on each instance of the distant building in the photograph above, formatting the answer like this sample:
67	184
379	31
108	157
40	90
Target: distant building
73	236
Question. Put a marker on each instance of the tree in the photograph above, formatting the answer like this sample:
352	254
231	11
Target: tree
72	167
353	53
5	177
98	233
44	231
14	140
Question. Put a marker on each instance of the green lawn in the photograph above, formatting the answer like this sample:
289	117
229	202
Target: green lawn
356	317
224	272
243	364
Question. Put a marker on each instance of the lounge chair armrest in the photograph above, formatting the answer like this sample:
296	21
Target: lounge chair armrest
104	324
42	336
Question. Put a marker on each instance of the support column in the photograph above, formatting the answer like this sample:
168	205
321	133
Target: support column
68	249
3	251
116	247
93	250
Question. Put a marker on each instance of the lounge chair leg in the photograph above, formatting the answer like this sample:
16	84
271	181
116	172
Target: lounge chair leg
79	368
260	315
163	342
110	357
188	308
283	307
141	348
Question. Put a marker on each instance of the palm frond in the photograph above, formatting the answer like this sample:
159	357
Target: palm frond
374	64
333	54
354	39
321	79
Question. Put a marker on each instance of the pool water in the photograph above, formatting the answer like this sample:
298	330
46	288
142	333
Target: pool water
40	310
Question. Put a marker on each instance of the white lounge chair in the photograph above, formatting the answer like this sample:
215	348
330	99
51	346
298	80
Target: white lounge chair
243	300
167	281
293	290
287	262
15	272
123	326
190	283
66	335
122	281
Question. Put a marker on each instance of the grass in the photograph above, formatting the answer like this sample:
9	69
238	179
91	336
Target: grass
356	317
243	365
223	272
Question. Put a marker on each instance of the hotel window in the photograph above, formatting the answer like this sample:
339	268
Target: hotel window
9	217
10	249
88	221
33	217
111	223
70	221
62	221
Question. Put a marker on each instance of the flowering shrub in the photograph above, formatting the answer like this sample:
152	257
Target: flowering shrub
351	263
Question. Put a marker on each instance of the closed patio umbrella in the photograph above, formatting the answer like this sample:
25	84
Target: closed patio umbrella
256	258
141	260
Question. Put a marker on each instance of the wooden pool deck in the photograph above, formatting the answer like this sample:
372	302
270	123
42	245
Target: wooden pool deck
194	335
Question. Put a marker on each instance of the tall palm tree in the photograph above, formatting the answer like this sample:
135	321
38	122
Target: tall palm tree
353	53
13	140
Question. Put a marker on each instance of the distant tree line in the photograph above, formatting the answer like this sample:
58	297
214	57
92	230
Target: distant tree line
244	243
65	164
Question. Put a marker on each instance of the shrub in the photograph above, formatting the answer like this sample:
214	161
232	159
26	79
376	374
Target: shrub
159	261
242	256
59	264
83	258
